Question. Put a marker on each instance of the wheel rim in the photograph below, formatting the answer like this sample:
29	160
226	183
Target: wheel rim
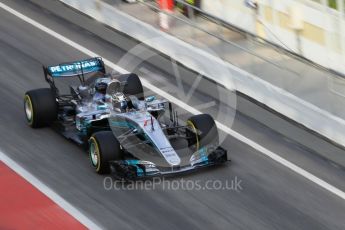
28	109
94	154
191	125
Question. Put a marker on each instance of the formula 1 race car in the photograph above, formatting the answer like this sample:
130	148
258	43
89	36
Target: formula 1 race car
125	132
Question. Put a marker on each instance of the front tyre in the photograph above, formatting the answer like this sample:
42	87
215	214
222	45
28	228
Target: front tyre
202	131
40	107
104	147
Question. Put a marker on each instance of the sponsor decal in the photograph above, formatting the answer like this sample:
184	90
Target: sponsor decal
75	68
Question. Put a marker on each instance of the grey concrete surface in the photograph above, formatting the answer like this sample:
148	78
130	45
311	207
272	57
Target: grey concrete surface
273	197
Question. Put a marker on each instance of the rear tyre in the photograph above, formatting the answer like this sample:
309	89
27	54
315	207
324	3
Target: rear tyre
104	147
133	86
40	107
202	131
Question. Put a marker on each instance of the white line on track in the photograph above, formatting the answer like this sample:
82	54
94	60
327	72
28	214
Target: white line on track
48	192
183	105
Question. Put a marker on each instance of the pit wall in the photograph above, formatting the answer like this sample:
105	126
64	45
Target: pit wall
307	27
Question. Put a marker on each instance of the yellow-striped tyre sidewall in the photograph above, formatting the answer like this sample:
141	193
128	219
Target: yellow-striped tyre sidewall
192	126
28	105
96	153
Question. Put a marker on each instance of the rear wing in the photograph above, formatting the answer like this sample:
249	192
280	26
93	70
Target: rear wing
71	69
76	68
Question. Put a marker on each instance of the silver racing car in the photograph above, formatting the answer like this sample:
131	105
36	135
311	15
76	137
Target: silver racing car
126	133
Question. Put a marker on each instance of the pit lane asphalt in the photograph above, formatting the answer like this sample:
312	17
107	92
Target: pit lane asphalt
273	197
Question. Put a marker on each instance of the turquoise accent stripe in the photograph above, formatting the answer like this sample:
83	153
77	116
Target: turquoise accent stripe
203	154
121	124
132	162
140	171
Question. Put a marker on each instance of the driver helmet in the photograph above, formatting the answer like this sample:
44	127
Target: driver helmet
101	85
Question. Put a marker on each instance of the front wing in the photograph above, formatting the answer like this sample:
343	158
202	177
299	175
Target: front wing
132	169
